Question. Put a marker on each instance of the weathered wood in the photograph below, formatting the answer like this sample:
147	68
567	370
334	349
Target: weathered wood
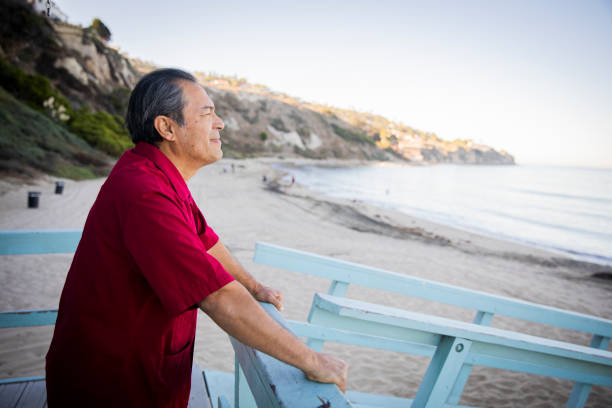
352	273
482	318
442	372
24	318
198	398
364	400
21	242
491	347
276	384
343	273
10	393
580	392
243	397
34	395
219	384
24	394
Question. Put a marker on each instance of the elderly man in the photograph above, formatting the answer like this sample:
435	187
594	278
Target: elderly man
148	260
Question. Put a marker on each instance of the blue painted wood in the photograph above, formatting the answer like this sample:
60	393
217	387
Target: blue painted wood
366	338
442	372
21	379
482	318
24	318
243	397
34	395
363	400
198	397
21	242
24	394
492	347
222	402
219	384
580	392
336	288
10	393
276	384
317	265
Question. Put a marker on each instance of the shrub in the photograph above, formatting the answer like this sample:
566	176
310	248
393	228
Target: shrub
263	136
34	90
101	29
351	136
102	131
74	172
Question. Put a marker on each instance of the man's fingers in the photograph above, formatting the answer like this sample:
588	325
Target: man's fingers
269	295
278	300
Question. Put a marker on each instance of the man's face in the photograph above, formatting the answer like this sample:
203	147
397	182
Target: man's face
198	139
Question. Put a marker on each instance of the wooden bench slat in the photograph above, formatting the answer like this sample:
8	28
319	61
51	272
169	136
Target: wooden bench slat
376	341
34	395
491	346
364	400
219	384
24	318
24	242
10	393
198	397
343	271
433	324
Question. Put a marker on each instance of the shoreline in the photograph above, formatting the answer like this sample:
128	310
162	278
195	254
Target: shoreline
242	211
590	258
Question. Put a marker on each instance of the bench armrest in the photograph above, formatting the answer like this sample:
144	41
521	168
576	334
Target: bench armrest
276	384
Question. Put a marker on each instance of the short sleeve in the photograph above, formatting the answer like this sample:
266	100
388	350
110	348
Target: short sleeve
209	238
170	254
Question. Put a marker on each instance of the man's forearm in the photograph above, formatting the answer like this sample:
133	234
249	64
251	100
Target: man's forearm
238	314
233	267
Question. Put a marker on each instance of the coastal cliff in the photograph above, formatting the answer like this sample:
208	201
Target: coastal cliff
73	77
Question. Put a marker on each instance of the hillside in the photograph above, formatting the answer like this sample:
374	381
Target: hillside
31	141
69	75
289	126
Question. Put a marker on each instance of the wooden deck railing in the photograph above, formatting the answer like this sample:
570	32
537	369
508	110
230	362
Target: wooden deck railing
486	306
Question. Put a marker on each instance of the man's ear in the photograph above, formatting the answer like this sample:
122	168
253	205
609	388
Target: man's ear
166	127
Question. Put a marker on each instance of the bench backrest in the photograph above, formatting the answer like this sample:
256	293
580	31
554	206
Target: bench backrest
31	242
486	305
343	273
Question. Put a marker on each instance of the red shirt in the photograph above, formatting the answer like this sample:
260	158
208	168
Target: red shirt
127	316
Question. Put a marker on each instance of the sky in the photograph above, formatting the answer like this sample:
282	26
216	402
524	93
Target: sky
533	78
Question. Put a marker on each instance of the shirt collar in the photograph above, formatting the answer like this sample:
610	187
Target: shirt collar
160	160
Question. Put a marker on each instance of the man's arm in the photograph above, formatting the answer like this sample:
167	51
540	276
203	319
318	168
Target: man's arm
233	267
238	314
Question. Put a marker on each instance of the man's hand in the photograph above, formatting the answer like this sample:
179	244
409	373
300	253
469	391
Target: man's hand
268	295
328	369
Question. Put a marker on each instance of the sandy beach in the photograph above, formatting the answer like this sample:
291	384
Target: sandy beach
243	212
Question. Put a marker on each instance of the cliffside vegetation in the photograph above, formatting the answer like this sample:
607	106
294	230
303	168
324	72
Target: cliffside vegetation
31	141
101	130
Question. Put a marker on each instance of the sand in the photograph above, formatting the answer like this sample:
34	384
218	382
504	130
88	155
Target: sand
243	212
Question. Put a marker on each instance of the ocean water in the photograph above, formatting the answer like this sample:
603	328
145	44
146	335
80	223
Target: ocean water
564	209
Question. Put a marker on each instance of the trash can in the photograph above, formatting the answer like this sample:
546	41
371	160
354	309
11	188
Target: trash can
33	197
59	187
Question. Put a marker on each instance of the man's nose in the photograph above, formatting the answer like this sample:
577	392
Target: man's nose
219	123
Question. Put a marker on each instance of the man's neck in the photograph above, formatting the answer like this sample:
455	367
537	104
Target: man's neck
182	166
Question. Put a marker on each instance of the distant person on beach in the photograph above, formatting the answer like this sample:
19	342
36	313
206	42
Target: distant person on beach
148	260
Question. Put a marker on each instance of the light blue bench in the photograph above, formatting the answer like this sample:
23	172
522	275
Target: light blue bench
323	327
273	383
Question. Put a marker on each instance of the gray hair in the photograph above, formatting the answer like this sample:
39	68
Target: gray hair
157	93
